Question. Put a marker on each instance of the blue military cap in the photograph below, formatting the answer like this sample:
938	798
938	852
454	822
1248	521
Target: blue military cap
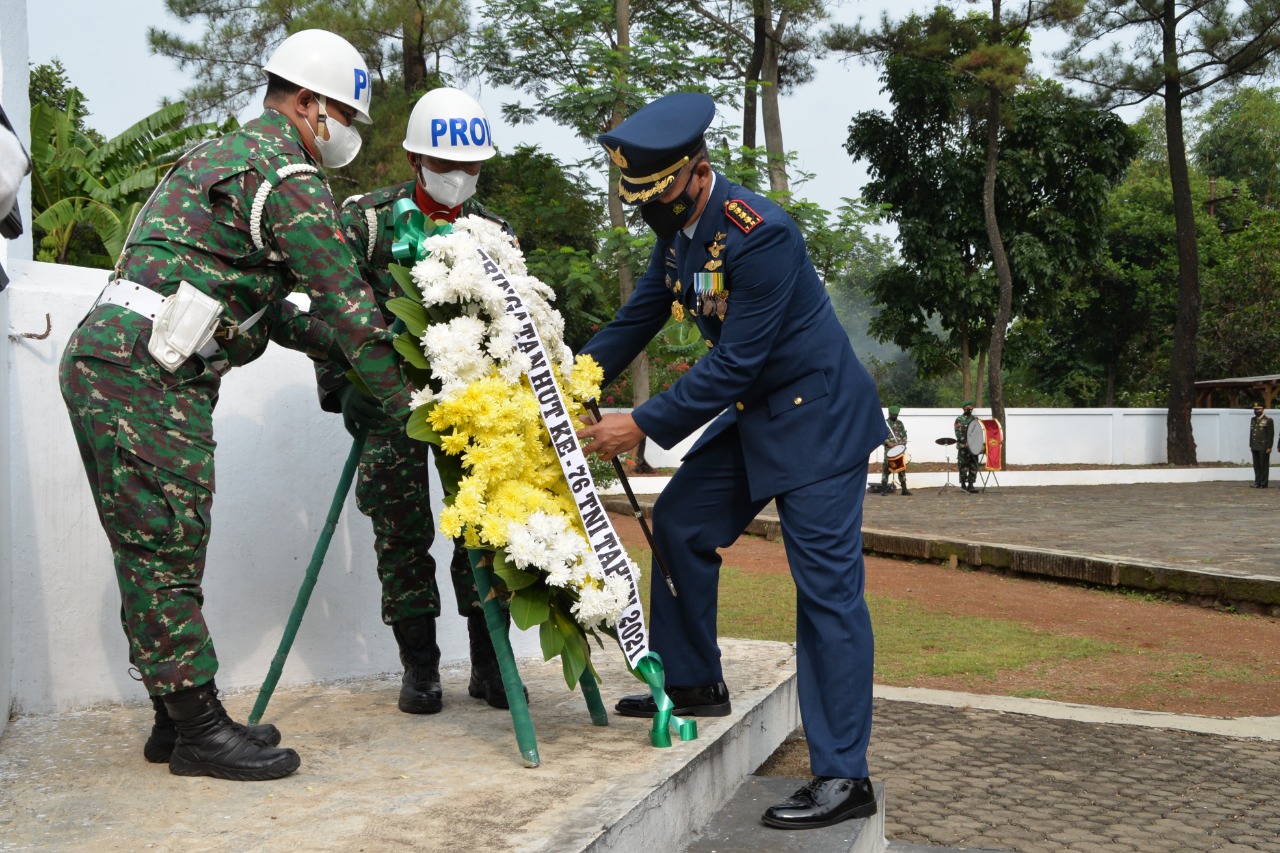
656	141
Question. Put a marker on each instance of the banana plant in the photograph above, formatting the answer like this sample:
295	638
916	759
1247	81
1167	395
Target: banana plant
80	186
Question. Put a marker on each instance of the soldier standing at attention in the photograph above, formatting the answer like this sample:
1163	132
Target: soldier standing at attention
446	141
794	417
966	461
897	438
238	223
1262	432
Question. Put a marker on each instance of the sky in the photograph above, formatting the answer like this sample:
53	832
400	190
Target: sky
106	55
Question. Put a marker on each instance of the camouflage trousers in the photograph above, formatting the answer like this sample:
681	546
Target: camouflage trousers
146	440
393	490
968	464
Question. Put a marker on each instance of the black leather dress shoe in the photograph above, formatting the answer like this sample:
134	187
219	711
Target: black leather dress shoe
709	701
825	801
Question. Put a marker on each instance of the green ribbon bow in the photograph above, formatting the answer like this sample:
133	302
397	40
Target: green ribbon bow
411	231
650	668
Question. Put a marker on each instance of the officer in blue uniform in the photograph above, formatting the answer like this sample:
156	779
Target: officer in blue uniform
795	418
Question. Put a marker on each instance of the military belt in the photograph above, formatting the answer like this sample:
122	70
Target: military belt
148	304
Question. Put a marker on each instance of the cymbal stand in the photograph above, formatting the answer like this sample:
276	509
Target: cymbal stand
944	486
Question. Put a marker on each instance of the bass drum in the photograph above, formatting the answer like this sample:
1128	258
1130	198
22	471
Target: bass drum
975	438
897	458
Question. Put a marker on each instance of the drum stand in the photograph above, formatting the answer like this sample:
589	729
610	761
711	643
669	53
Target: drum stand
985	475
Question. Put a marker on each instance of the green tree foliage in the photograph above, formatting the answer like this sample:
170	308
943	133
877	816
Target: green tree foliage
404	41
1240	327
557	215
1178	50
86	191
993	53
587	65
1239	140
49	85
1059	160
1108	339
767	48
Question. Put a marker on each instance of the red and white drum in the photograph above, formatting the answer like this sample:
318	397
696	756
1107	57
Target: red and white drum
897	458
985	438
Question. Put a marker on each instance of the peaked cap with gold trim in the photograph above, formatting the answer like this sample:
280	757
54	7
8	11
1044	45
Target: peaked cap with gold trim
656	141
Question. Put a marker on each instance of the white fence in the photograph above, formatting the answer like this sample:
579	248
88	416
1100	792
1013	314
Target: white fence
280	456
1057	436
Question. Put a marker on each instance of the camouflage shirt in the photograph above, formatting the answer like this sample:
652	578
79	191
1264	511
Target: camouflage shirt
199	227
369	229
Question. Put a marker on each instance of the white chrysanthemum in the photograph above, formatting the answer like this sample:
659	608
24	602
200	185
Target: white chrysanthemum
596	607
495	241
547	543
456	350
421	397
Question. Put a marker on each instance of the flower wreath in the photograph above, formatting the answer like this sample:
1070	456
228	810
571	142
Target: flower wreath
505	493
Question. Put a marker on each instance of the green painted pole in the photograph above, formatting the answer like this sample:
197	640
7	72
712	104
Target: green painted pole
309	580
526	738
591	692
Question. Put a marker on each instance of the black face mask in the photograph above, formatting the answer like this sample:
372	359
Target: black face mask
668	217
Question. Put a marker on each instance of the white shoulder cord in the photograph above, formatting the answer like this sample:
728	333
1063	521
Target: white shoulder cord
371	218
260	200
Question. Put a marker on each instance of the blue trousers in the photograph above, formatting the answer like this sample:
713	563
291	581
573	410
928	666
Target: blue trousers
707	506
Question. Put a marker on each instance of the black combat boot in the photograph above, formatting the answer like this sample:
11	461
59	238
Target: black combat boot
420	691
164	734
486	677
210	745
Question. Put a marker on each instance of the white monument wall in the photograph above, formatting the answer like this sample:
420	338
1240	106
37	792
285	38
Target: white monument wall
278	461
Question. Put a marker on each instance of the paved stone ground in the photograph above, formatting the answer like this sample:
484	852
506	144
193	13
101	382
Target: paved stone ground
1217	526
969	778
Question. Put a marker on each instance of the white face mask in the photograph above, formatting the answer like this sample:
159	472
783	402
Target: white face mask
343	143
451	188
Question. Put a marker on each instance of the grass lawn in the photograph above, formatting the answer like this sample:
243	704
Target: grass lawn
912	642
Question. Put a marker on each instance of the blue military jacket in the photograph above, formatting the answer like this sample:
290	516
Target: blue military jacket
780	365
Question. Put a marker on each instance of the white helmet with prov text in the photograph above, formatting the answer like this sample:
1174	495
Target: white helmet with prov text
449	124
328	65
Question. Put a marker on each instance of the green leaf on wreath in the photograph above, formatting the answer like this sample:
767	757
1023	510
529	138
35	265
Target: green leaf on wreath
551	638
419	426
412	313
575	652
529	607
408	347
573	659
416	375
404	278
449	468
512	575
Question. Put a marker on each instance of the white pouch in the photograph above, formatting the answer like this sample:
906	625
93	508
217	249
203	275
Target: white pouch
185	324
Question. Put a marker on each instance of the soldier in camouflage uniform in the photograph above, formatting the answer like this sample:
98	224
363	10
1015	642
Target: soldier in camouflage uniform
395	470
237	224
897	437
966	461
1262	431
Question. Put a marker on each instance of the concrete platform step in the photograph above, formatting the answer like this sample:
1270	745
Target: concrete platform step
736	828
373	778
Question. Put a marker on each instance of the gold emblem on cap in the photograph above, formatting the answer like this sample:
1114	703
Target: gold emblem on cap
615	154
